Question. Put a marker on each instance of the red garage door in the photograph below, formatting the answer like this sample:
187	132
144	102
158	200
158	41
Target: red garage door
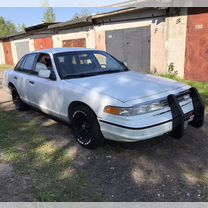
196	65
8	53
43	43
74	43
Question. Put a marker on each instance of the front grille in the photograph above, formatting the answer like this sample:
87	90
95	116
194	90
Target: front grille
180	97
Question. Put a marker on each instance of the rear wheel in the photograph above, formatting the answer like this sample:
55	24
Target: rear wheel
86	127
19	104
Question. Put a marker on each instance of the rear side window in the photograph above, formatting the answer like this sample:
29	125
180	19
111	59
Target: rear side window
28	62
19	64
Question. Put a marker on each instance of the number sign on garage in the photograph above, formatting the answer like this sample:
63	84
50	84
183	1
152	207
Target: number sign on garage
22	48
43	43
131	46
74	43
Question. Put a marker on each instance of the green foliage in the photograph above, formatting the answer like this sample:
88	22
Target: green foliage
49	15
6	28
21	27
83	13
5	67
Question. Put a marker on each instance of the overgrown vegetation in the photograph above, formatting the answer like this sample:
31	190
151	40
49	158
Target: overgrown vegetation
5	66
201	86
83	13
49	16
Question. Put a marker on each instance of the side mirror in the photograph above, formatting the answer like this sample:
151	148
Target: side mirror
44	73
125	63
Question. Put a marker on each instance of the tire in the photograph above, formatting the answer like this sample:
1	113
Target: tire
86	127
19	104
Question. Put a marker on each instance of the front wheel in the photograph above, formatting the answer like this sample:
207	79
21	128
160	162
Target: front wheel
19	104
86	127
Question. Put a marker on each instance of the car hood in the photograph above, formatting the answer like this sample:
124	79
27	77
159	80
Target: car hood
128	86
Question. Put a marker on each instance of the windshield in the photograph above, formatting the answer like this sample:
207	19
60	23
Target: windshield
86	63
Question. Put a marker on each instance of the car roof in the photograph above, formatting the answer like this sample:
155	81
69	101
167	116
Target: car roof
62	50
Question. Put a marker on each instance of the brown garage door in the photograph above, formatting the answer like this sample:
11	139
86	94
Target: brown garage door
74	43
43	43
196	65
8	53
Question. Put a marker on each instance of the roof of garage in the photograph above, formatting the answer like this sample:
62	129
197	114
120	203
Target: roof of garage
116	12
78	22
40	26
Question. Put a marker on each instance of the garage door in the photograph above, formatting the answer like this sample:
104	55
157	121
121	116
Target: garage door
196	65
74	43
43	43
22	48
8	53
131	46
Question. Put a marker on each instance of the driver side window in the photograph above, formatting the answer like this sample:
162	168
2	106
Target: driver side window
43	63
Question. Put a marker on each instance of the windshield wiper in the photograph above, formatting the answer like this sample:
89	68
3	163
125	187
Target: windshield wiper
90	74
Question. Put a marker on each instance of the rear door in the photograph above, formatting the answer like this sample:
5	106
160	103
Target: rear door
23	74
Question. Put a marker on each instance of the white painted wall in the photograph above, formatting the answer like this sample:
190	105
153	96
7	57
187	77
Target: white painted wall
176	28
2	57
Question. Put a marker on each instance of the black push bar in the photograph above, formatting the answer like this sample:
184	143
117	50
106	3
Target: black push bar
179	117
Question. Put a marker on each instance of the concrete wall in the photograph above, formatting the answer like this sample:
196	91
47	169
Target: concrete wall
2	57
83	32
176	28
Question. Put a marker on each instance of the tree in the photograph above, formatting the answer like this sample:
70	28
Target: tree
81	14
49	15
21	27
7	27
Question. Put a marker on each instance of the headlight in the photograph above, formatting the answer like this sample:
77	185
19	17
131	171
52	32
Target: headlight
134	110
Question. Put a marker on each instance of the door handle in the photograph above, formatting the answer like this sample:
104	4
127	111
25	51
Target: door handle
15	77
31	82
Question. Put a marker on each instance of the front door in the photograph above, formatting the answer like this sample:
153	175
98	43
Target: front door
44	93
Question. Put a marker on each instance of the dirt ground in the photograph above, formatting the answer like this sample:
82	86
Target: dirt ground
161	169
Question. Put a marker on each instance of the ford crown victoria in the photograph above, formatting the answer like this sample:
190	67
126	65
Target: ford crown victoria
101	97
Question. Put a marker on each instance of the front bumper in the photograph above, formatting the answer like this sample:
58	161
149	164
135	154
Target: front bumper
176	125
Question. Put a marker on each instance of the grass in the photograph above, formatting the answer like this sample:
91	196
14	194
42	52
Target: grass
202	87
50	169
5	67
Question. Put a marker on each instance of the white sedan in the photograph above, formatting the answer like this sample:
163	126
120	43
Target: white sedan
101	97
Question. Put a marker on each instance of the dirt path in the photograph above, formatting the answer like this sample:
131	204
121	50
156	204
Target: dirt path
163	169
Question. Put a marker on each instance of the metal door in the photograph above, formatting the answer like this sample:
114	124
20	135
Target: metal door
74	43
22	48
131	46
8	53
43	43
196	63
115	44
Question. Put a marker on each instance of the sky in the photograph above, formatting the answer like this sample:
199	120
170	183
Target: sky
31	16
